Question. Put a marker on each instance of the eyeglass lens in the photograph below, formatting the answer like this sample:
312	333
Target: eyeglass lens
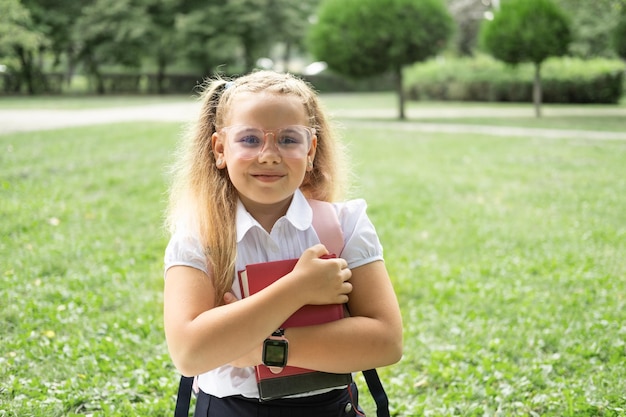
248	142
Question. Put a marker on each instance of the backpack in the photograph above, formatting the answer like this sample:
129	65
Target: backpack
328	229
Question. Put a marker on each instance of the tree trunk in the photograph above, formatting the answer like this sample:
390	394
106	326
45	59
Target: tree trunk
94	72
400	92
71	65
248	54
26	62
287	56
537	94
160	76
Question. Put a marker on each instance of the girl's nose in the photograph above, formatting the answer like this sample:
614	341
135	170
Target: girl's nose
270	151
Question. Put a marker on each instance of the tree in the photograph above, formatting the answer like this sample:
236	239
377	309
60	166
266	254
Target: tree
592	23
19	42
163	40
55	19
527	31
361	38
290	23
468	15
204	44
241	31
111	32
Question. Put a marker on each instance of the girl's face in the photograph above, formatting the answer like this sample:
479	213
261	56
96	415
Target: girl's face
271	177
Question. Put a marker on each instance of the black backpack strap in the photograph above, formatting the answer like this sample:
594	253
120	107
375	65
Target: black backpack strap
183	398
378	392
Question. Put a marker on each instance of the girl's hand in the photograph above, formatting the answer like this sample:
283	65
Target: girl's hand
322	281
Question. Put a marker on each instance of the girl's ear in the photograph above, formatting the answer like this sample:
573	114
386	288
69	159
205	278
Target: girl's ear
218	150
311	153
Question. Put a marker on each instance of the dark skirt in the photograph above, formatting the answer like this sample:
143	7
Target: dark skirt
337	403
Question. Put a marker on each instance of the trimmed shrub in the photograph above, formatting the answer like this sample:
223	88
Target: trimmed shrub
564	80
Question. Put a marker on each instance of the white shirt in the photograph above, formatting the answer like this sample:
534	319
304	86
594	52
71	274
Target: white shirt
290	236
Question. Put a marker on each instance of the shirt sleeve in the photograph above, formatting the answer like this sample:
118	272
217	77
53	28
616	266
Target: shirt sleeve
185	250
362	245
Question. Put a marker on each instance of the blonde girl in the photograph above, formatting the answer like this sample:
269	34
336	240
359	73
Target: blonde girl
260	148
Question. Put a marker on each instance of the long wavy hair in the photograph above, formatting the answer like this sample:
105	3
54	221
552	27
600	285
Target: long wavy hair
201	195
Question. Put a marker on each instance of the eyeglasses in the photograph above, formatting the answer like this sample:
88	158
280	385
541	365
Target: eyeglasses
247	142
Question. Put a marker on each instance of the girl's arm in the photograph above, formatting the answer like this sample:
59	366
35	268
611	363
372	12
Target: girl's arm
371	337
202	336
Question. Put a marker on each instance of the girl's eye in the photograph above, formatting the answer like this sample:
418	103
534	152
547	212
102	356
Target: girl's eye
249	140
290	138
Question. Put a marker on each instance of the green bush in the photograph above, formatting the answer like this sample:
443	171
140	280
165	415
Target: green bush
564	80
329	82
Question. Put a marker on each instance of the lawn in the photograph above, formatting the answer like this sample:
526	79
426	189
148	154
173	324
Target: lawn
507	255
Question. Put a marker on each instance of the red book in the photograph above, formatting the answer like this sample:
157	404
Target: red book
291	380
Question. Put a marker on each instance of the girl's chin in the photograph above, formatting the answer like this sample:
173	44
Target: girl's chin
265	198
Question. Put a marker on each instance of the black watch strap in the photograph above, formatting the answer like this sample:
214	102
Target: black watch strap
279	333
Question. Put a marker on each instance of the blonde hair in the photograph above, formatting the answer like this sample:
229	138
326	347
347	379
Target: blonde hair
204	194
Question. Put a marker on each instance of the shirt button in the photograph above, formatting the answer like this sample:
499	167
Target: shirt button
348	408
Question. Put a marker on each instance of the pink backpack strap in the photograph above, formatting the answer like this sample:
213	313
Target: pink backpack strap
326	225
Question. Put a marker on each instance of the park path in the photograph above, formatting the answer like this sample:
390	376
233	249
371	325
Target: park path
25	120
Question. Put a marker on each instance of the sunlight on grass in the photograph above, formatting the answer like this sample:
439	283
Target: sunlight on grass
507	255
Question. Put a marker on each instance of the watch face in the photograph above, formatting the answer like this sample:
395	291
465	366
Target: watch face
275	353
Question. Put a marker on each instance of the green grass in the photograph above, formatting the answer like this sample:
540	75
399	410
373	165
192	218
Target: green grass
556	116
507	255
596	123
81	274
508	258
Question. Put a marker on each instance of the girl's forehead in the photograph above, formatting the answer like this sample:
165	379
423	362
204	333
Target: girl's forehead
265	109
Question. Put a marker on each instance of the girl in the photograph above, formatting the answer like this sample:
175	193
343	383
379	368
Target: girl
262	146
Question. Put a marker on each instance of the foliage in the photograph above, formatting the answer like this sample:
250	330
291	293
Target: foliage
619	35
592	23
55	20
361	38
252	30
564	80
468	15
111	32
16	28
500	318
163	40
19	41
527	31
202	44
125	34
291	21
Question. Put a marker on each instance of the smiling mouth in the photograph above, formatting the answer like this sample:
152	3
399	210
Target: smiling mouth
268	177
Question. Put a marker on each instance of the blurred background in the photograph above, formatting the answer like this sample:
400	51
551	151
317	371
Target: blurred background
170	46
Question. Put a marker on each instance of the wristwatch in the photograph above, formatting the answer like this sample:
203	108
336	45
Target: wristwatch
275	351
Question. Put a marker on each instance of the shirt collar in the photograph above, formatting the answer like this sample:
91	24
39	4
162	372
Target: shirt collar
299	214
